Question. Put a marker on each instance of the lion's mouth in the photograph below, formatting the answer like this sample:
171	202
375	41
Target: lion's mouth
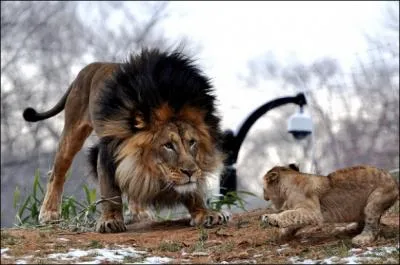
186	188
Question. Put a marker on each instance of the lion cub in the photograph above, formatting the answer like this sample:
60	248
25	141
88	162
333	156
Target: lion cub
356	194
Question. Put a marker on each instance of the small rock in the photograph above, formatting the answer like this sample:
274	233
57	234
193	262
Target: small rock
257	256
243	254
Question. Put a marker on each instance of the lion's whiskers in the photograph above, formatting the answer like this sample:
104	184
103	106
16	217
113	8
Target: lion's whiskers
168	186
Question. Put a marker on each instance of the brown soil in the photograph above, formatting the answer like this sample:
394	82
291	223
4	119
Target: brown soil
244	239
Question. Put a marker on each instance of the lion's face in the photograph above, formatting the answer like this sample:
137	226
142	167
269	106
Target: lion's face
177	156
172	154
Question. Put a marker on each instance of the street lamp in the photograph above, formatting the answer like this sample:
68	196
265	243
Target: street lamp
299	125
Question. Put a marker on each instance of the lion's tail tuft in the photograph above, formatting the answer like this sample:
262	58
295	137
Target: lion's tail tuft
31	115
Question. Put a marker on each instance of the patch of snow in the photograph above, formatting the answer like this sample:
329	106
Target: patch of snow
4	254
331	260
380	251
63	239
20	261
199	254
350	260
297	260
107	255
156	260
355	250
98	254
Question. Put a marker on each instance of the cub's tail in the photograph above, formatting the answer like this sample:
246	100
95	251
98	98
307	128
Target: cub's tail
32	115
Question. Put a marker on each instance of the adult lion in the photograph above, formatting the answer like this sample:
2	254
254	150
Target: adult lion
158	131
356	194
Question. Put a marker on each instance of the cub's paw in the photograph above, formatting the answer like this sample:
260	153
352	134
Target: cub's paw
270	219
110	226
211	218
363	239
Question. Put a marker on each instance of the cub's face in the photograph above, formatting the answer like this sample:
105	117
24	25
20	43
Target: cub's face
273	181
271	188
179	149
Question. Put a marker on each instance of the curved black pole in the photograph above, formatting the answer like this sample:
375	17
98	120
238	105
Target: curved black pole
231	143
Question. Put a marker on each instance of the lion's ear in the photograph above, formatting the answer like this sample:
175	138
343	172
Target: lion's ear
293	166
272	177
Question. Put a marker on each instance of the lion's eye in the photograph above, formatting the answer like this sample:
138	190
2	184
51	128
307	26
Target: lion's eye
169	146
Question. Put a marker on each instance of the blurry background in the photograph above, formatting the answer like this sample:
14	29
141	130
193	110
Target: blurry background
343	55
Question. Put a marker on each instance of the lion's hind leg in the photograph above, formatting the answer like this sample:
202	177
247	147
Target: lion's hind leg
71	142
378	202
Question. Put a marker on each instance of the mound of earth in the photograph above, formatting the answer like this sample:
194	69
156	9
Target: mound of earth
243	240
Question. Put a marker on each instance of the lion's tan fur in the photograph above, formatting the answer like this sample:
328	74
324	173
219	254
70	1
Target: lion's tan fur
355	194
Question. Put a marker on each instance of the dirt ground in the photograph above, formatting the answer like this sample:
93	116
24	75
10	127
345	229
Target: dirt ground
243	240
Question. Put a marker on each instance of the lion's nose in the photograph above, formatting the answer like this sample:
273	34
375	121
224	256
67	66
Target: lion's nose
187	172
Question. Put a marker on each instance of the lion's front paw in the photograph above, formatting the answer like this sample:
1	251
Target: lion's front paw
48	216
110	226
210	218
270	219
363	239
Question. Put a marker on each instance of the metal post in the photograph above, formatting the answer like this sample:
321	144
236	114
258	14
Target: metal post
231	143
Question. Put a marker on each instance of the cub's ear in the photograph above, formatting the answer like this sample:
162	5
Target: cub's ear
293	166
139	122
272	177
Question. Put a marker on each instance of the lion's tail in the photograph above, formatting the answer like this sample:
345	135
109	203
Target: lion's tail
32	115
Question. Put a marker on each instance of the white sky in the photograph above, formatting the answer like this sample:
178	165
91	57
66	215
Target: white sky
232	33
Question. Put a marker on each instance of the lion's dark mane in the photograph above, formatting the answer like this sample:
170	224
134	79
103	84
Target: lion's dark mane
152	78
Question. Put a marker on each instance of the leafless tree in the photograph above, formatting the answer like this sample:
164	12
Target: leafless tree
43	46
355	114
